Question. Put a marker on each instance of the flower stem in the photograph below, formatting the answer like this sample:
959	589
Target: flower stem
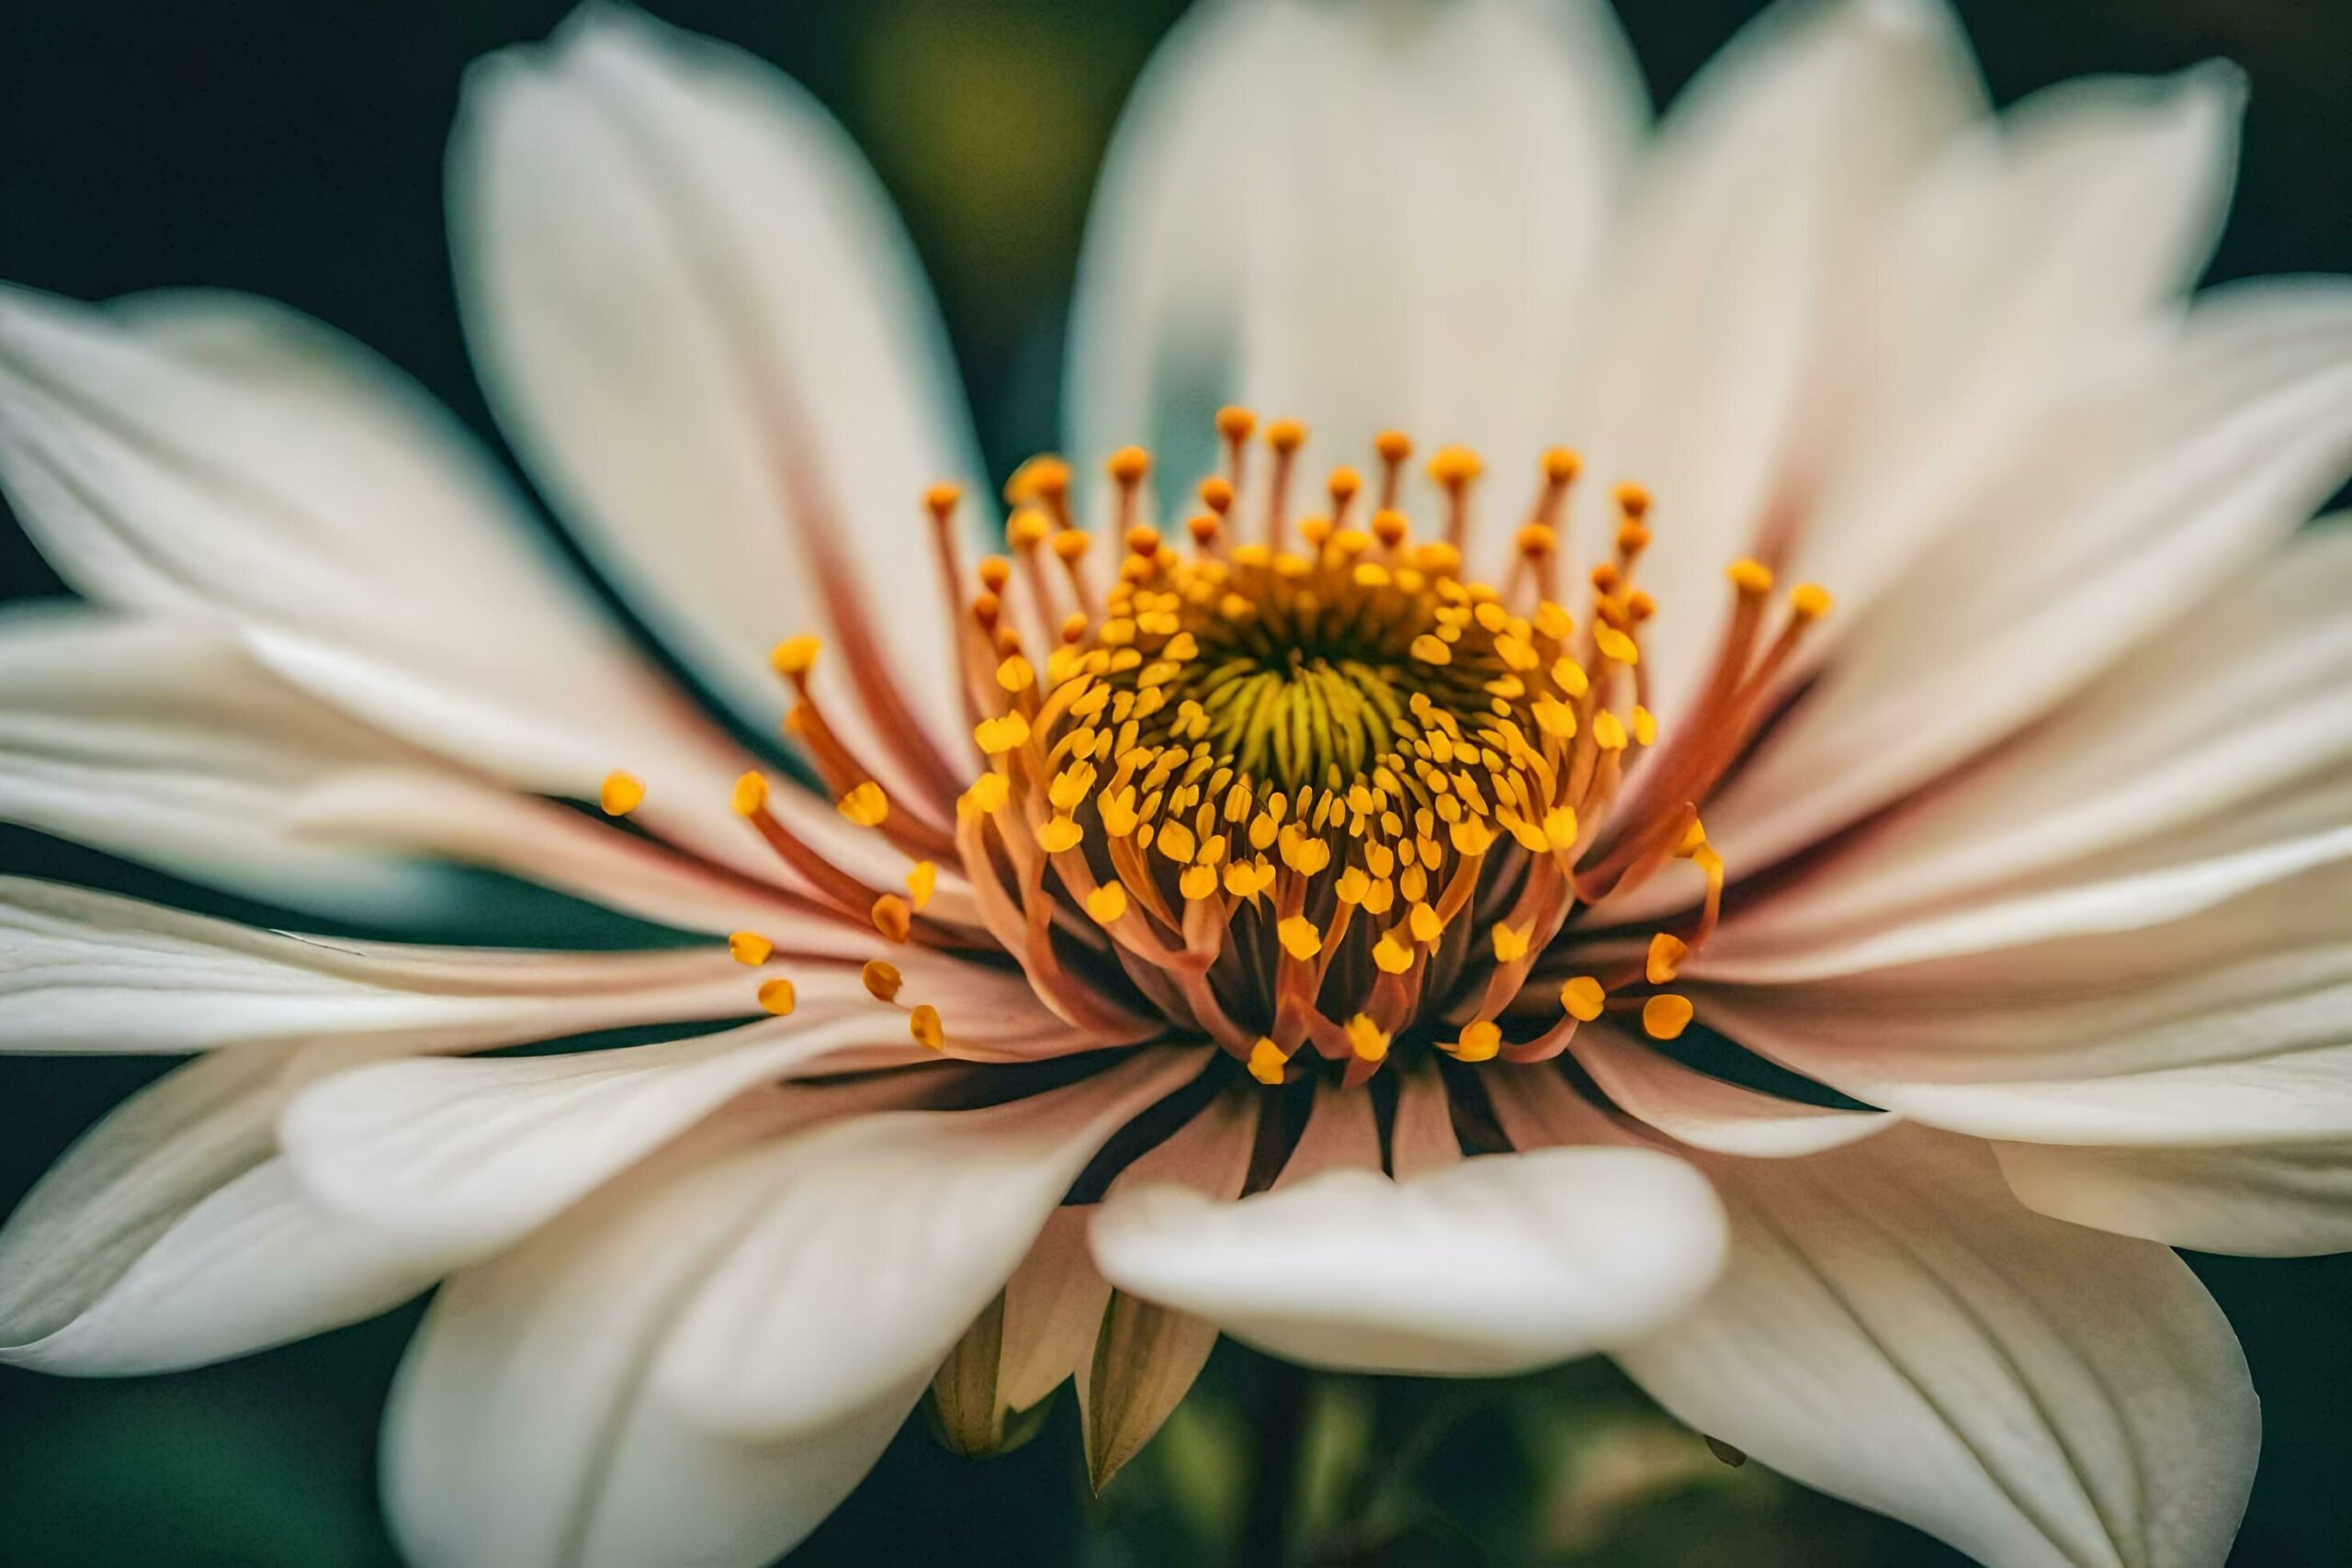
1267	1526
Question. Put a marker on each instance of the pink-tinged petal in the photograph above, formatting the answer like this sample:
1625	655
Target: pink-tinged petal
1421	1138
525	1431
1315	211
2275	1201
93	972
885	1237
1053	1307
1709	1114
170	1235
2242	705
1342	1133
2106	529
1693	377
707	336
1484	1266
210	456
2025	255
1893	1329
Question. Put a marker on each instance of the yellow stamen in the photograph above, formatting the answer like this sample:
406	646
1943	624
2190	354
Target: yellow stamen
777	997
1666	1016
1267	1062
750	947
923	880
866	805
1366	1039
1583	997
621	794
881	979
928	1032
892	918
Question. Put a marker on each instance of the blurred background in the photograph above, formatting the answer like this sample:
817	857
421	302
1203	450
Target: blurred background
294	150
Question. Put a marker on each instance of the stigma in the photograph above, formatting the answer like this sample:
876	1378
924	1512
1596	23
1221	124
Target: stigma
1290	776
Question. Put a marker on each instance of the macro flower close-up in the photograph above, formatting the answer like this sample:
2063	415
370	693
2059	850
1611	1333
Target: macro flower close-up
1716	737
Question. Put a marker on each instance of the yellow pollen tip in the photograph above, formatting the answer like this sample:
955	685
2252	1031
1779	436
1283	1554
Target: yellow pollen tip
1366	1039
925	1025
881	979
1479	1041
1665	1017
1615	644
1810	601
1562	464
1203	527
1016	674
1299	937
1217	495
794	656
1667	954
1071	544
989	792
892	918
998	736
1750	576
1390	526
1511	945
1583	999
1235	422
1644	726
1043	475
1128	464
1608	731
1632	538
750	948
751	794
777	997
865	805
1633	499
1027	528
1143	539
922	882
1535	541
1343	485
940	500
1267	1062
1285	435
1057	834
1391	956
1453	465
995	571
1639	606
620	794
1107	903
1393	446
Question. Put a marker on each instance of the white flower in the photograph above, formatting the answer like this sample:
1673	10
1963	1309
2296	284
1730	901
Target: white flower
2037	846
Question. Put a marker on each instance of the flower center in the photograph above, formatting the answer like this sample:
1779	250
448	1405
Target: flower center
1303	784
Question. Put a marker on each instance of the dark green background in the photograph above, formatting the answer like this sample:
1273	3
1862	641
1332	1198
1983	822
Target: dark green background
295	149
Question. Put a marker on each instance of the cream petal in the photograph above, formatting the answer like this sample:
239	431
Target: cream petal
169	1235
1895	1329
163	741
2242	702
2025	254
707	336
1490	1265
303	493
884	1238
1053	1305
1364	218
1709	1114
525	1429
1692	376
92	972
2278	1200
469	1154
2103	531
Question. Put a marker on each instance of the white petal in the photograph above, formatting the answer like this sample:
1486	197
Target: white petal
522	1430
1892	1328
2242	702
885	1237
2029	252
169	1237
1491	1265
469	1154
2231	1026
2279	1201
2104	529
84	971
1364	218
1707	1112
1709	321
304	492
707	336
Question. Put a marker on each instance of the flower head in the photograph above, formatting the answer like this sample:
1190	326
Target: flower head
1228	900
